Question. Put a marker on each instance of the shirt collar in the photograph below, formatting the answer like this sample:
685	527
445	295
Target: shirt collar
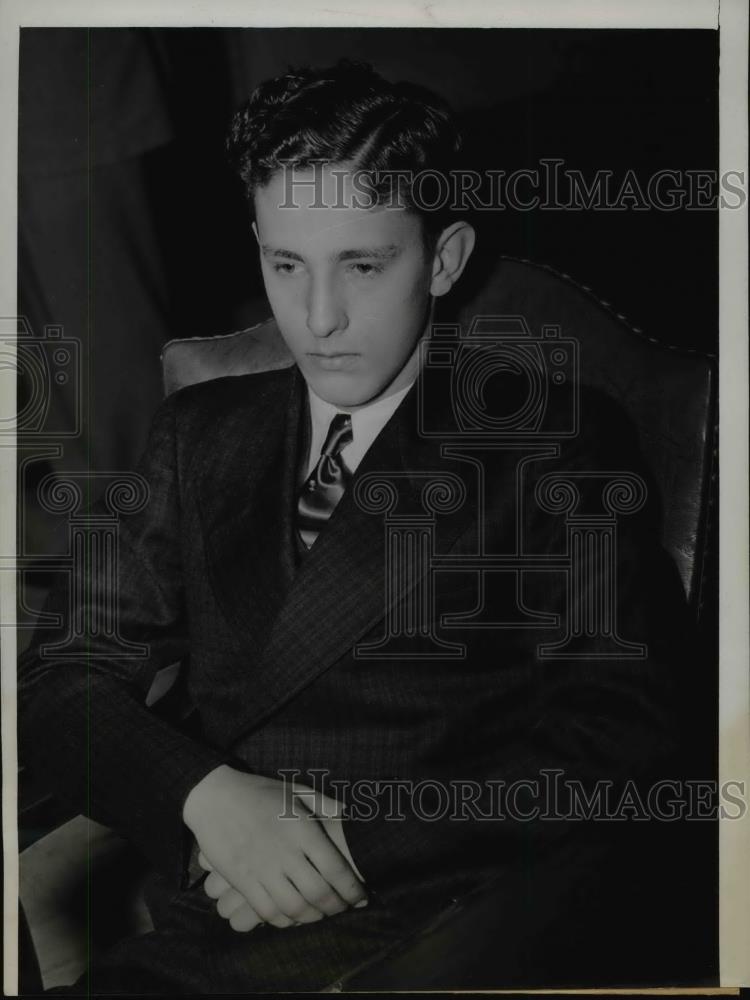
367	423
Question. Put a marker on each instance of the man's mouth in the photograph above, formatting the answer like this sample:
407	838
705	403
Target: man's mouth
333	361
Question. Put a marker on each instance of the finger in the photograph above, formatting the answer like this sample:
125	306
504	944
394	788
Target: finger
228	902
215	885
290	901
261	901
335	830
314	889
331	814
204	862
335	869
244	919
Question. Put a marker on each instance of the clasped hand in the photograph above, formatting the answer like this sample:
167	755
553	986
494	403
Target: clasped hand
275	853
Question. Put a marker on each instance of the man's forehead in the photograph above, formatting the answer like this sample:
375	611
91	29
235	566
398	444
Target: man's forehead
333	217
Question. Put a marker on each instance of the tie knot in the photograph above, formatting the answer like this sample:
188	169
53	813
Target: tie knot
339	435
327	482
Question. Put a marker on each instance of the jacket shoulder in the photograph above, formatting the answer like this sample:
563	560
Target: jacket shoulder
213	398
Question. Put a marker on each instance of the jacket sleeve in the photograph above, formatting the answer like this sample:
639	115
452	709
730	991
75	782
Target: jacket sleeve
84	728
565	724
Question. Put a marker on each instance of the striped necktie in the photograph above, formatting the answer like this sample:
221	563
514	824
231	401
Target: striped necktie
325	485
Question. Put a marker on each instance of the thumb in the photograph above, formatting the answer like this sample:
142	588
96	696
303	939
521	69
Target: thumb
331	813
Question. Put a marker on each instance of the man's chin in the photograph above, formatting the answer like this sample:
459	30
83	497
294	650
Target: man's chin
342	389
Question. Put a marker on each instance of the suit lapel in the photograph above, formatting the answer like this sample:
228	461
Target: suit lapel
246	499
339	592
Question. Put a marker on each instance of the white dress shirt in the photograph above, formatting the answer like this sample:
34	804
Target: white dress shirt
367	422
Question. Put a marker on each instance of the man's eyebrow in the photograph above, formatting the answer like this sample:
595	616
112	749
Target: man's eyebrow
277	252
385	252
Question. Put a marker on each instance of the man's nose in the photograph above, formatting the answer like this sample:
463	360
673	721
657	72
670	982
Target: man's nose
325	312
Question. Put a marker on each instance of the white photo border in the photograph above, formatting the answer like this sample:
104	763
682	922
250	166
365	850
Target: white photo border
730	18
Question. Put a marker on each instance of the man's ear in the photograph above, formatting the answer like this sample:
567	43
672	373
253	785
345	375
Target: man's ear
452	252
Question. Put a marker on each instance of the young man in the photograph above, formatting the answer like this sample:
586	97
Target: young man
260	560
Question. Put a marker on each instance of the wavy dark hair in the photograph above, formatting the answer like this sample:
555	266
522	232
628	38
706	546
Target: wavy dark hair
347	113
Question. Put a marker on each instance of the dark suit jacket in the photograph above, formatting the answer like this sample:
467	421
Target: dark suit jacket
208	574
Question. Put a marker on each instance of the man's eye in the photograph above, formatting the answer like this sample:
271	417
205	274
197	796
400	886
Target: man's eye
284	267
367	270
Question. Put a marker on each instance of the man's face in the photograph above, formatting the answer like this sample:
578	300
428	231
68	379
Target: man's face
349	287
